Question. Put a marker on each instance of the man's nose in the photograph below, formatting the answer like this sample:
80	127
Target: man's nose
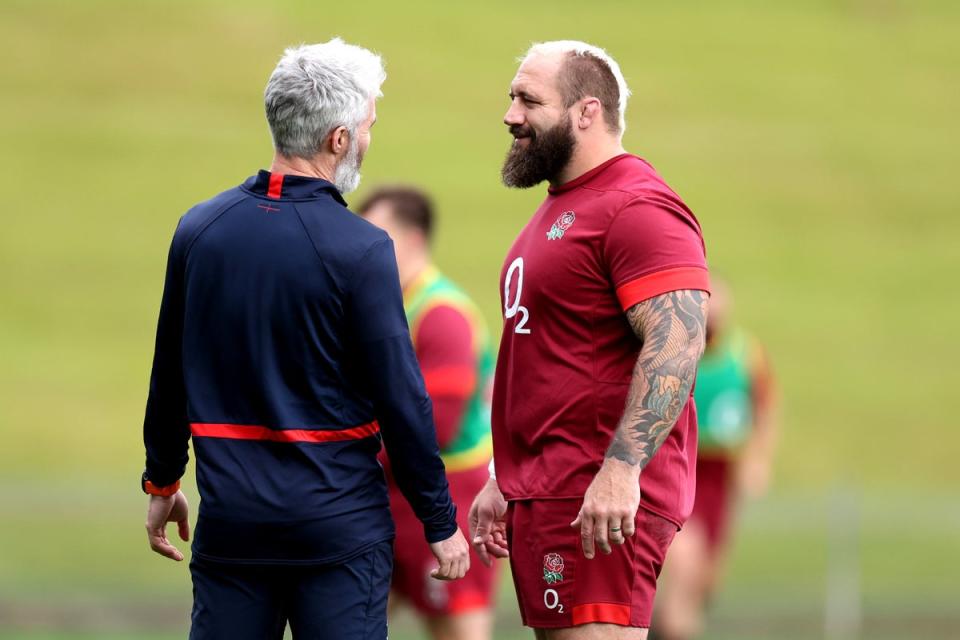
513	116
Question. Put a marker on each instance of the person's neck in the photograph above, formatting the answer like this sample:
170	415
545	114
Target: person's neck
412	269
316	167
588	155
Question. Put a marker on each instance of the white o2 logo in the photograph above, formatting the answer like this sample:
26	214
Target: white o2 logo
514	309
551	600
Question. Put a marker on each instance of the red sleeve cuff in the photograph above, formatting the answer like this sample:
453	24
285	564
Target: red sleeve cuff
660	282
166	492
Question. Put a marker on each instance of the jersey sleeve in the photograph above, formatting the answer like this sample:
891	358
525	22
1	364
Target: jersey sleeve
396	387
166	429
445	348
652	248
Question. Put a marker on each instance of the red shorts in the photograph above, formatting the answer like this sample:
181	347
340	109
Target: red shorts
413	560
557	587
711	508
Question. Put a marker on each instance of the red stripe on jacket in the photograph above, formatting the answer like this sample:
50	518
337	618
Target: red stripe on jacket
257	432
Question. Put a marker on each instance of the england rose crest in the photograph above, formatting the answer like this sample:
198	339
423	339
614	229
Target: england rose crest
564	222
553	568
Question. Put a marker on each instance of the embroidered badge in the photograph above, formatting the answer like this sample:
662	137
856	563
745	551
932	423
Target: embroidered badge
553	568
564	222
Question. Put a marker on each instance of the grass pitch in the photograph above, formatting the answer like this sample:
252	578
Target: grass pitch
815	141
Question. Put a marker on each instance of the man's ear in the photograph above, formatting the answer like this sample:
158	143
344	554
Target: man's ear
339	140
590	111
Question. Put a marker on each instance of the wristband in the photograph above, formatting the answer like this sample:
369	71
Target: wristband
153	490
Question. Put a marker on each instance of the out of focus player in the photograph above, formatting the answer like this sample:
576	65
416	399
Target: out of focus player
454	352
604	300
736	401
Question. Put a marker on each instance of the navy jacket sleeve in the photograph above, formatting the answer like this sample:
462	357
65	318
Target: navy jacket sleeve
400	400
166	430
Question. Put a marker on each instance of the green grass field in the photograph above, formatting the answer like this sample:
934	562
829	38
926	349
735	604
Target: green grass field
816	141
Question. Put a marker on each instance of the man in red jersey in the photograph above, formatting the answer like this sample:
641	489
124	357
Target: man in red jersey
737	399
453	349
604	299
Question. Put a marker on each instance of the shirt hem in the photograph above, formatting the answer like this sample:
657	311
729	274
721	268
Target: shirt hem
643	505
323	560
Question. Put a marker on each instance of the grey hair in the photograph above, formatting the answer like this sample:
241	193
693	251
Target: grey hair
316	88
578	48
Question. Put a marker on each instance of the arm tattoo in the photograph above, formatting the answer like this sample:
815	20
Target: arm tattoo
671	328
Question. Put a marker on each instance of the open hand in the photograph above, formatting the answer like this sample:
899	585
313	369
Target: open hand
160	511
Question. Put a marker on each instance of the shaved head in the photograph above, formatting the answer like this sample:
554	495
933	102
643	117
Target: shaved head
585	70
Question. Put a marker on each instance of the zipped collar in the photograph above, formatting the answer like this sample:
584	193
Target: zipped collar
278	186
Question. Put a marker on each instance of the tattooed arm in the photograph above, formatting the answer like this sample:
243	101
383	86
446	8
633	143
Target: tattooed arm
671	329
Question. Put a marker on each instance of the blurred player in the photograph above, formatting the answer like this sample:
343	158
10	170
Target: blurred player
604	301
453	348
736	402
282	350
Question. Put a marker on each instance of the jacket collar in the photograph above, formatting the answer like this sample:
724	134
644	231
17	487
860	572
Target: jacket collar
278	186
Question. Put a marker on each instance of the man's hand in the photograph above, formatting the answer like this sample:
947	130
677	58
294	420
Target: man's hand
160	511
488	523
609	510
453	554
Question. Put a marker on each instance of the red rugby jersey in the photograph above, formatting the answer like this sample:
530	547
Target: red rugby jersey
597	245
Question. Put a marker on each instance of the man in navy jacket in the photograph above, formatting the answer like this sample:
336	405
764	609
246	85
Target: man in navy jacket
283	350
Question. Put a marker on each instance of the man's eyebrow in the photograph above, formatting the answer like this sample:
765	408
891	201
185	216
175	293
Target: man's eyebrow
524	95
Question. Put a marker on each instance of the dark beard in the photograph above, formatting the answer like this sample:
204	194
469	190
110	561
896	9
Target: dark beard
546	155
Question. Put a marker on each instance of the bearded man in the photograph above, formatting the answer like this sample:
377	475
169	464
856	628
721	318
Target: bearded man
604	298
283	350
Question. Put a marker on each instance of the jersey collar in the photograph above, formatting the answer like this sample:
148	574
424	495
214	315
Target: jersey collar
278	186
588	176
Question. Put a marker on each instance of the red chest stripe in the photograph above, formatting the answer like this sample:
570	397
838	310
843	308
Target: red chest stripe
256	432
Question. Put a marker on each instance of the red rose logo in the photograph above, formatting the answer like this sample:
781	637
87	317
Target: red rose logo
565	221
553	563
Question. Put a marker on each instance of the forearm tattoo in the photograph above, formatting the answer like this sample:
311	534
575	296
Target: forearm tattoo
671	329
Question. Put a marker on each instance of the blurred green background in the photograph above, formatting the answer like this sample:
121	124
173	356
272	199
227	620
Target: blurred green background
817	142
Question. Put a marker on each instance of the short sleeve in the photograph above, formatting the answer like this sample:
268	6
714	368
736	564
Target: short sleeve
651	249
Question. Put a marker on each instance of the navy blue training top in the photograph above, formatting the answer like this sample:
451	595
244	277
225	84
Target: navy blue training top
283	349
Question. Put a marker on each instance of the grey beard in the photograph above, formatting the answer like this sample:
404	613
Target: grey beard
346	177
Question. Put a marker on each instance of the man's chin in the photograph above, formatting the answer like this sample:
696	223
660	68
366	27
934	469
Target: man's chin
519	182
350	187
516	172
348	183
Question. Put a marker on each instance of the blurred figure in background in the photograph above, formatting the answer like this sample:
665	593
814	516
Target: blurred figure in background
453	348
736	405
